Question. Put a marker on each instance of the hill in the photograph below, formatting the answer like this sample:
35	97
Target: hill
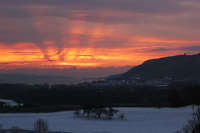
180	67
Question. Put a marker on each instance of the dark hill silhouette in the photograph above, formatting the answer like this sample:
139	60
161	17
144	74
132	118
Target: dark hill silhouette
181	67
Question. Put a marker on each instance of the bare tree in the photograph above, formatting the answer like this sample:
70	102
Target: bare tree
87	112
111	112
87	109
41	125
193	125
99	111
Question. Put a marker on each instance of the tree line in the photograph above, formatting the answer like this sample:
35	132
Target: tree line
69	97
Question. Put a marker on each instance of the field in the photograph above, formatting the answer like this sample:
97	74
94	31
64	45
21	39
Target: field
138	120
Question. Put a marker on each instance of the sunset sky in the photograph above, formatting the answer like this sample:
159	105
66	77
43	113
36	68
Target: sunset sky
95	33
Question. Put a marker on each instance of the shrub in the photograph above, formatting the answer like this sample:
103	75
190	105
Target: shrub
77	113
14	129
41	125
193	125
121	116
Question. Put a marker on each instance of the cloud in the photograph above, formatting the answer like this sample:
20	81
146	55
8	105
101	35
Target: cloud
161	49
92	30
85	55
93	10
132	5
25	53
51	60
189	48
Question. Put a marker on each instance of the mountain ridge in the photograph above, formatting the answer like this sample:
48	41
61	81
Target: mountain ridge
179	67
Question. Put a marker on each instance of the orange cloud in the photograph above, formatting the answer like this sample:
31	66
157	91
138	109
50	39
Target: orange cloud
84	38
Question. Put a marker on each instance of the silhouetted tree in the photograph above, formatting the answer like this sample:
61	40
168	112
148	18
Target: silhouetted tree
193	125
99	111
41	125
111	112
87	109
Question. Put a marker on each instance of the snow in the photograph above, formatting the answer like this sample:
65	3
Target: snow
9	102
138	120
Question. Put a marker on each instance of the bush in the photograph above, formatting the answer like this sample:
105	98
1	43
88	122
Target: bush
14	129
121	116
77	113
193	125
111	112
41	125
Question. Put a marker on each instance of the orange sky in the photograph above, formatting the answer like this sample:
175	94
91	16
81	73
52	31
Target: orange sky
54	36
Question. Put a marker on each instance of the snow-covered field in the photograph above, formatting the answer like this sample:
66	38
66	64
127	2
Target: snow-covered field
138	120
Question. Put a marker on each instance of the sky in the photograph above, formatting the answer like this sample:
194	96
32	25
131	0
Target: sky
95	33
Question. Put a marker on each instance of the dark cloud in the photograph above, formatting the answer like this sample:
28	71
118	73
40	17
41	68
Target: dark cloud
92	9
189	48
51	60
161	49
85	55
14	30
150	18
25	53
152	6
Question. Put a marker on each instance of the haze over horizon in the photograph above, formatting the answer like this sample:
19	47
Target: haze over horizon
99	72
91	33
